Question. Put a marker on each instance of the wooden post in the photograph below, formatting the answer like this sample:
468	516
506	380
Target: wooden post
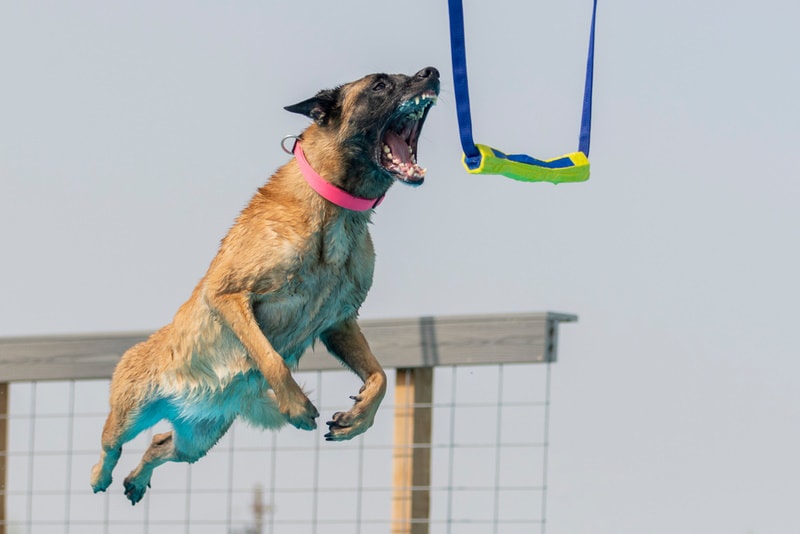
411	459
3	453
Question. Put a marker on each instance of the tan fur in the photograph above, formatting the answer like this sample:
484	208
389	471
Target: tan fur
293	268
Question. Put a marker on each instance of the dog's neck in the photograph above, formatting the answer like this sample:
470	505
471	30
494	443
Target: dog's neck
329	191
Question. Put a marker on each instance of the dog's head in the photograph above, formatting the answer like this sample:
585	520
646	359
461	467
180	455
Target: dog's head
375	123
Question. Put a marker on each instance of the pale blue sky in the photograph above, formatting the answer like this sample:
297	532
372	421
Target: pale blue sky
132	134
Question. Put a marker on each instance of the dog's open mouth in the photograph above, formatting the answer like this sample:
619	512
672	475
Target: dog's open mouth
399	142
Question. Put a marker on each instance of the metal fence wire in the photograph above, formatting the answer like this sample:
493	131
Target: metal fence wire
487	472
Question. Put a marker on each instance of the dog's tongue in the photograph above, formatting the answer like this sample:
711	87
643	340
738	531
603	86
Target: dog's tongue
398	146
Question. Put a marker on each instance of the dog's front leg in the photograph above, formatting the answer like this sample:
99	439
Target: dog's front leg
347	343
237	312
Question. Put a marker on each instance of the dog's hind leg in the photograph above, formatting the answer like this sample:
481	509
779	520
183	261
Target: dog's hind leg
111	443
187	442
124	423
161	449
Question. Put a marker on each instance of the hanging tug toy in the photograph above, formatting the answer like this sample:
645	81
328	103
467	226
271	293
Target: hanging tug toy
482	159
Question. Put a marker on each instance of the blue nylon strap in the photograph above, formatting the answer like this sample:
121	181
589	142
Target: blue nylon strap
459	59
586	118
459	55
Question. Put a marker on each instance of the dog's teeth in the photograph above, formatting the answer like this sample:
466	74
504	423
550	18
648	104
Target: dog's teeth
416	100
386	149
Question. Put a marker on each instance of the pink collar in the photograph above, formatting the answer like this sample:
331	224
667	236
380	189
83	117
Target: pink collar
330	192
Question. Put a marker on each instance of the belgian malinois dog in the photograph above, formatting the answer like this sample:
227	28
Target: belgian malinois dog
295	267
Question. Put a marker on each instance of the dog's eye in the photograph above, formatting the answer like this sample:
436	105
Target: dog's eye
379	86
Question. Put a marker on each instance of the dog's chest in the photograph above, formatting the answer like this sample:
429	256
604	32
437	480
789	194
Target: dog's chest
324	283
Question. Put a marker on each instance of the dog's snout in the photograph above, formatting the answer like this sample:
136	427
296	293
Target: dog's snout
428	72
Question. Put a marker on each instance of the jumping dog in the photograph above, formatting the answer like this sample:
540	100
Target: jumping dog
295	267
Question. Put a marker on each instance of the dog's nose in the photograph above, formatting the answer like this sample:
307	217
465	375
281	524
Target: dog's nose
428	72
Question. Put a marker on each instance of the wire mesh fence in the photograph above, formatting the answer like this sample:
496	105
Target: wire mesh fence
487	472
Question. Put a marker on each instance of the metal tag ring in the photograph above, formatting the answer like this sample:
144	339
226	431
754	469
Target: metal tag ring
283	143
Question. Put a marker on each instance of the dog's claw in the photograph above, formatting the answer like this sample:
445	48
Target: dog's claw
332	434
337	423
346	425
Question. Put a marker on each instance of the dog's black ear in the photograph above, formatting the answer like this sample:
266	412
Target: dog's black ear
319	107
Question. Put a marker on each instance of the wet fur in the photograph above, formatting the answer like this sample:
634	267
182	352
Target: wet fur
294	268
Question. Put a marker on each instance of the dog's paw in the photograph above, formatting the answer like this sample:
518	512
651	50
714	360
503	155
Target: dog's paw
302	415
135	489
99	480
347	425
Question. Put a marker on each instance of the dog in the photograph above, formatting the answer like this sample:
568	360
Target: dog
294	268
